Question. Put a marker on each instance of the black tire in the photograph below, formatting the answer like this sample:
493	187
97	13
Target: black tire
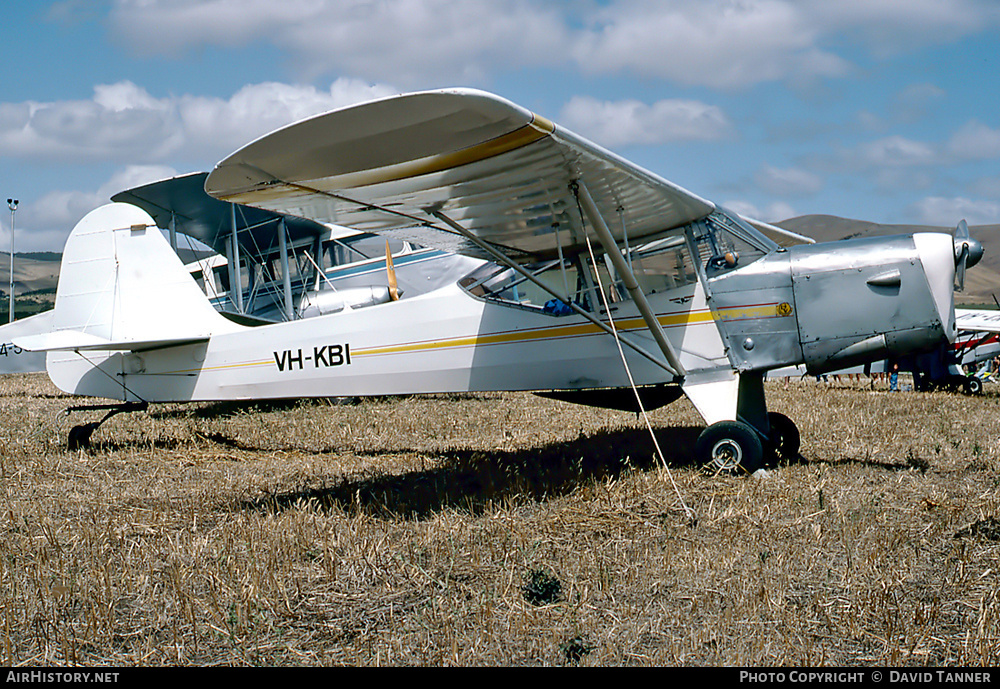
973	386
730	447
79	437
784	436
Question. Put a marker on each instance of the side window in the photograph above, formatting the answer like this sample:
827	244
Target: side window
663	265
658	266
506	286
222	277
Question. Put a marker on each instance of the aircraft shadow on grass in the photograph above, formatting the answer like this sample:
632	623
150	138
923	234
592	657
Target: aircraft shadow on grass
475	479
470	479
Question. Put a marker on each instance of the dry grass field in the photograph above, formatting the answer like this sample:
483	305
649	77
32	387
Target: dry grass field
498	529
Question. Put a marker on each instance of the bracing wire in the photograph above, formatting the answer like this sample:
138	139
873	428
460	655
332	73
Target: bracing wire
689	513
125	388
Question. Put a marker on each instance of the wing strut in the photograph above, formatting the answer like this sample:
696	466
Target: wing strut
173	231
286	278
628	278
235	280
503	260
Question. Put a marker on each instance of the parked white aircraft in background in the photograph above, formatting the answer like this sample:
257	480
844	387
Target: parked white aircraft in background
978	320
284	267
604	278
275	267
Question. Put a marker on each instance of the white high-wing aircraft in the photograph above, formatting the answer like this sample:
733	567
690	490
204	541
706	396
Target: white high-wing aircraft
604	277
978	320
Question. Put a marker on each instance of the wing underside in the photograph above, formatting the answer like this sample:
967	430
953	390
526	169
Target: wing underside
977	320
503	174
182	204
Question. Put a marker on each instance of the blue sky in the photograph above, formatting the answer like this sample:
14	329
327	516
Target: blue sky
880	110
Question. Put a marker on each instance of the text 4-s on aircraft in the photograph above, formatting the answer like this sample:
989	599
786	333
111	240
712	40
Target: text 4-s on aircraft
602	275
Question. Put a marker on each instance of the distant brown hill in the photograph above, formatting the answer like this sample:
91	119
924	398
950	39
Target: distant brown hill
981	282
32	273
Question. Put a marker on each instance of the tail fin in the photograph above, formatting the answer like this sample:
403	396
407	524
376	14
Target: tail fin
121	287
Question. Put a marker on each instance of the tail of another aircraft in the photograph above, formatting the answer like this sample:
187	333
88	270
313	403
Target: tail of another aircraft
121	287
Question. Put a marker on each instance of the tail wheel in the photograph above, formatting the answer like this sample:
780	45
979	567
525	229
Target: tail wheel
784	435
79	436
730	447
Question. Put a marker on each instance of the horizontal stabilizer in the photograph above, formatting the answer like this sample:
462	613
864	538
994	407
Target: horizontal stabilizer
74	340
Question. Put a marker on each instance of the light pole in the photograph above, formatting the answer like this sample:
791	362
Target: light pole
12	204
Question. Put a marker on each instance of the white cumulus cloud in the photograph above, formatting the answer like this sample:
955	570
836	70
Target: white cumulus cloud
773	212
403	41
716	43
788	181
946	212
123	123
628	122
44	224
975	141
895	151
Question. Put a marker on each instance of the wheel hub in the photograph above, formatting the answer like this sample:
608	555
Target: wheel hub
727	454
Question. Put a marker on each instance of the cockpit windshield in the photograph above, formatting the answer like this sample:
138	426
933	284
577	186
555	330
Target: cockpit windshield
725	242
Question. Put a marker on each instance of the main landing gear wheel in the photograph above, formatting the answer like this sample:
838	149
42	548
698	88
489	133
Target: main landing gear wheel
730	447
973	386
784	436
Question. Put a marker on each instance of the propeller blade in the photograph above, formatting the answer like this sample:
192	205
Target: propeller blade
390	269
968	252
963	257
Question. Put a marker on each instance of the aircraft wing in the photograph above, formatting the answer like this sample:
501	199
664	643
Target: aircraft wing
977	320
182	201
501	172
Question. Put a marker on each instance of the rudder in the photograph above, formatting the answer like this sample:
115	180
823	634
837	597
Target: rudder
121	287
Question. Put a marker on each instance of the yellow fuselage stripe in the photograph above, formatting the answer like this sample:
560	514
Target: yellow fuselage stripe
554	333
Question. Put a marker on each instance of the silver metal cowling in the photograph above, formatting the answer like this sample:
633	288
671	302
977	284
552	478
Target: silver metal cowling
838	304
868	299
746	304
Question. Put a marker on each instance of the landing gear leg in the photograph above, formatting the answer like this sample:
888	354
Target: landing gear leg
79	436
777	432
755	439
